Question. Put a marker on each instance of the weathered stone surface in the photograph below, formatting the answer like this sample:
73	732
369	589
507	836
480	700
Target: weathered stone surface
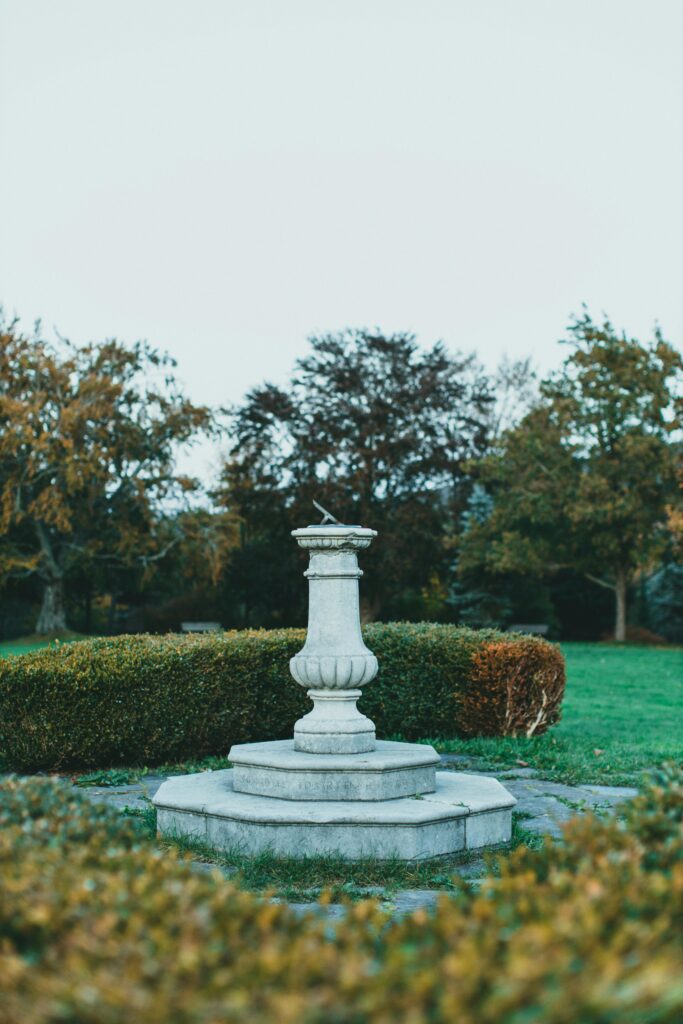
464	812
332	790
390	771
335	725
463	762
515	773
329	911
334	662
410	900
134	795
532	793
550	804
611	794
545	825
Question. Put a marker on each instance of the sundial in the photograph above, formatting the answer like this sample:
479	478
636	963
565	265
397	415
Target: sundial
333	787
329	520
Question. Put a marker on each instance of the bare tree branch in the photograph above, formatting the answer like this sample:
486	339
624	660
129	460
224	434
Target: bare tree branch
601	583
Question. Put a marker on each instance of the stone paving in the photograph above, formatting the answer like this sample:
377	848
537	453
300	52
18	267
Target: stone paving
545	806
134	795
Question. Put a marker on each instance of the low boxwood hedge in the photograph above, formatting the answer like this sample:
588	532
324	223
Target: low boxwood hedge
153	699
98	926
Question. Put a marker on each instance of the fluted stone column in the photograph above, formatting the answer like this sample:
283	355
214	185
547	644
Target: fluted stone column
334	663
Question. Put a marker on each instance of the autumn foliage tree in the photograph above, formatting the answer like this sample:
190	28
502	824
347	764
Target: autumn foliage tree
88	438
675	514
586	479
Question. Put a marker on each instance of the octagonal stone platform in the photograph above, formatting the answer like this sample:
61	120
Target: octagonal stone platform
389	771
464	812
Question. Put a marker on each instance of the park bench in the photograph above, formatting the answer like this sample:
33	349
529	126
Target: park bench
200	627
535	629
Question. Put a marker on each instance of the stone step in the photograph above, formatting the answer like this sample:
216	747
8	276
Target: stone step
390	771
464	812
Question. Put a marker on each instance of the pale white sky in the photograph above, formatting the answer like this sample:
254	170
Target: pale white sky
224	177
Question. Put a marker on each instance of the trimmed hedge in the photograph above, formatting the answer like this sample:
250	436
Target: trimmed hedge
98	926
153	699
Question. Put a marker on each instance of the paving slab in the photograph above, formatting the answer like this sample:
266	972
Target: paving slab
409	900
551	803
462	762
471	868
330	911
456	759
545	825
613	794
135	795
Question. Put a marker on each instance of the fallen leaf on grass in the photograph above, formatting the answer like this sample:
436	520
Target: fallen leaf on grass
597	752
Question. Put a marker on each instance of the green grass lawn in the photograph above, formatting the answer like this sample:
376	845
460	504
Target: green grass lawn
26	644
623	713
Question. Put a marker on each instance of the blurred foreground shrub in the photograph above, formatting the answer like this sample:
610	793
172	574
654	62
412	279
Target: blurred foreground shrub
150	699
99	926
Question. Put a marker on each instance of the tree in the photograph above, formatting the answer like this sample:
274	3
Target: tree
516	391
584	481
88	438
484	599
377	429
664	601
675	513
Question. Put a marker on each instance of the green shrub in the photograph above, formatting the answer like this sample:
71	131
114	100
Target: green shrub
98	926
150	699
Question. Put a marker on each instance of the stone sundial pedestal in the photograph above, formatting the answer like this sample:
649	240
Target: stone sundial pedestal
334	663
334	788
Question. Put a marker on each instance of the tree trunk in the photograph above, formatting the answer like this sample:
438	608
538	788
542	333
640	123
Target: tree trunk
621	585
111	614
52	618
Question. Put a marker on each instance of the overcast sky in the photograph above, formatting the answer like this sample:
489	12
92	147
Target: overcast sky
224	177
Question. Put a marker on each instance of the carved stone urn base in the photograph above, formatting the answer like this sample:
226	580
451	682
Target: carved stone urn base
335	725
390	803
